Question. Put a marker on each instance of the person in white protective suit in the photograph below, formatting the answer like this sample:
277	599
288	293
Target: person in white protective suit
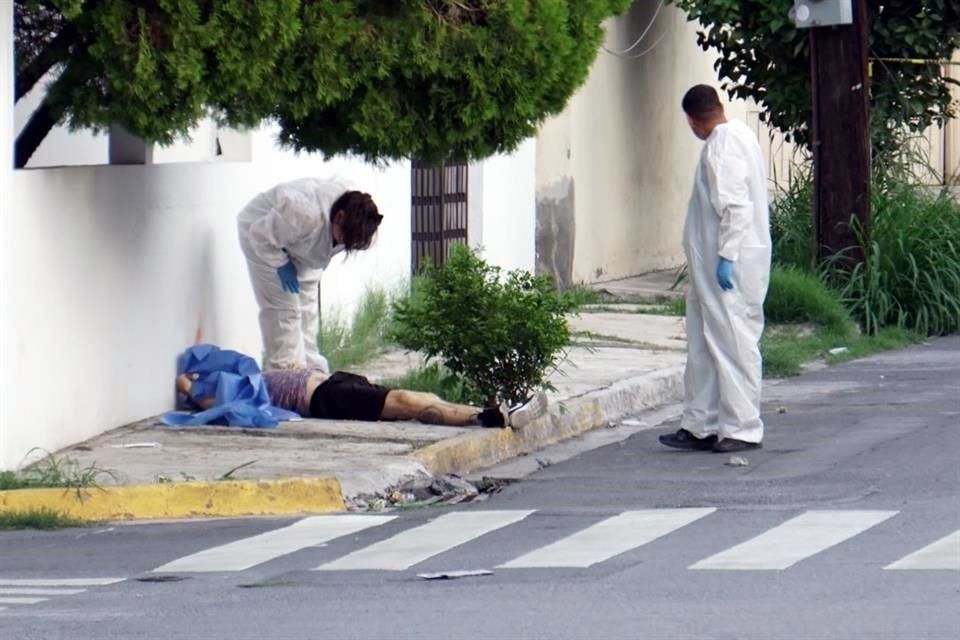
289	234
727	243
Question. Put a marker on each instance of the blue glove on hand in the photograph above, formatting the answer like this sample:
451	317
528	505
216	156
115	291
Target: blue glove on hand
725	274
288	277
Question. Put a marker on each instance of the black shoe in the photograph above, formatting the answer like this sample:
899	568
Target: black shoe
732	445
683	439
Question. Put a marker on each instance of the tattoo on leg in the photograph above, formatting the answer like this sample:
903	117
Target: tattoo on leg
431	415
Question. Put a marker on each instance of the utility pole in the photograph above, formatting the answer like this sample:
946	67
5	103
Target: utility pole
841	133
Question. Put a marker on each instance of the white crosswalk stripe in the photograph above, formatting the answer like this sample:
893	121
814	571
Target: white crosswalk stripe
58	582
942	554
249	552
609	538
420	543
802	537
29	591
21	600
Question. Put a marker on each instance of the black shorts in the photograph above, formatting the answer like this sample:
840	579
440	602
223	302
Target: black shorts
345	396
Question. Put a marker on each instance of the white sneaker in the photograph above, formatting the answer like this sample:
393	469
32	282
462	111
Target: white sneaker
523	414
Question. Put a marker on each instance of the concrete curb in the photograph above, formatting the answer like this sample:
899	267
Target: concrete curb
289	496
567	419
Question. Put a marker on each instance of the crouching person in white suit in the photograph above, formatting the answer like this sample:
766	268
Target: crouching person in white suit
289	234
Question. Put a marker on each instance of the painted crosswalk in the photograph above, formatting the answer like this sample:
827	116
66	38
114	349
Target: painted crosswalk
27	591
797	539
800	538
412	547
942	554
609	538
249	552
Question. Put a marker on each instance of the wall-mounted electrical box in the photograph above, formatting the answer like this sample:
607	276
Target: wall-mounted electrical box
821	13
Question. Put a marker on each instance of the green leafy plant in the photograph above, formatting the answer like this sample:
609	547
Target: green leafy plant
763	56
502	333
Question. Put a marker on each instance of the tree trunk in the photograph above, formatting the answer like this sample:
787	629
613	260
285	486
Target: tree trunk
41	122
56	52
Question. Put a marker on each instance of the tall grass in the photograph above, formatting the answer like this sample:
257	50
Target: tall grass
791	222
347	345
910	277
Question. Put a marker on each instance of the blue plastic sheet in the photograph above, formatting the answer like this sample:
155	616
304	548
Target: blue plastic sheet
237	386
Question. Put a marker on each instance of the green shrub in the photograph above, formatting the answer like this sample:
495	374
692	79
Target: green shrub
797	297
910	277
503	334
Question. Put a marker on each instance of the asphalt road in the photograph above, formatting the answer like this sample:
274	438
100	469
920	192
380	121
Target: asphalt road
844	526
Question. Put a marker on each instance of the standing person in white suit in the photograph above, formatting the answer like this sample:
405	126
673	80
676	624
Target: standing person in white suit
727	244
289	234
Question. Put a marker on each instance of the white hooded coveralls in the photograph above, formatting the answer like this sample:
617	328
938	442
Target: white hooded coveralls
727	217
291	221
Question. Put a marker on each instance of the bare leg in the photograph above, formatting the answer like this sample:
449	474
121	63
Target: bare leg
429	409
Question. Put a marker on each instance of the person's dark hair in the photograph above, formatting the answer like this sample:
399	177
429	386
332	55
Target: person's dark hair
361	219
701	102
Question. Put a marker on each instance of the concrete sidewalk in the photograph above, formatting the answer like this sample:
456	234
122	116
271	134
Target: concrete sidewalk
626	360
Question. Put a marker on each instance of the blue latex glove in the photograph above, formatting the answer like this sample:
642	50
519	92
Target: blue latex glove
725	274
288	277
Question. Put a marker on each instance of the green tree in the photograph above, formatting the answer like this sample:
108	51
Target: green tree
380	78
763	56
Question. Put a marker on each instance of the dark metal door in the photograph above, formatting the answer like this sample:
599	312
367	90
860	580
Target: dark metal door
439	211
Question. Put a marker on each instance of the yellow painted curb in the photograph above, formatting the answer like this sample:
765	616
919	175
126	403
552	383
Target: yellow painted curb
184	499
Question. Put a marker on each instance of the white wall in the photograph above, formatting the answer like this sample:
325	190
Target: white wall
506	207
110	272
621	154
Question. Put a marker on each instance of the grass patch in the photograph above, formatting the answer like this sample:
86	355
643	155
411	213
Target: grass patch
44	518
807	319
795	296
53	472
582	295
786	350
348	345
676	307
433	378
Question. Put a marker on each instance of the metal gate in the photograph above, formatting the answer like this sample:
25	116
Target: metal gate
439	211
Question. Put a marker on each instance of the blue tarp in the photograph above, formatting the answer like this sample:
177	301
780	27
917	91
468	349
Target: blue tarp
237	386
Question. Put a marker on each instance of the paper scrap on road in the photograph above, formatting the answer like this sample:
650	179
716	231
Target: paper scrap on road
453	575
137	445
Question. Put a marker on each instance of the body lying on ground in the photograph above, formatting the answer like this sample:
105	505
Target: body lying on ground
346	396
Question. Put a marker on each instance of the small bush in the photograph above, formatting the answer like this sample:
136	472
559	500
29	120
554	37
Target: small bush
910	277
503	334
797	297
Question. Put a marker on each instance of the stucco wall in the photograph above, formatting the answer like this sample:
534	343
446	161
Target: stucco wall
614	169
